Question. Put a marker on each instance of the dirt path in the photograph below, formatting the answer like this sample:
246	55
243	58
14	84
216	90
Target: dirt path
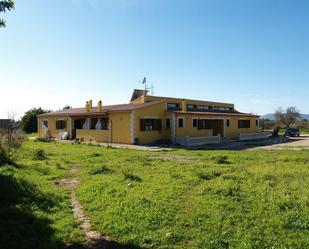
93	238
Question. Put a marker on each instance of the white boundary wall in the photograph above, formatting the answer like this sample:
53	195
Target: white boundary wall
253	136
197	141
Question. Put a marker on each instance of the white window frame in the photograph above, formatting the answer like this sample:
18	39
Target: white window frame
196	124
230	122
43	123
61	119
170	118
182	122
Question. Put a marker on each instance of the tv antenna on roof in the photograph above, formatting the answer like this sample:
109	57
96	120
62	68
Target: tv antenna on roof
144	82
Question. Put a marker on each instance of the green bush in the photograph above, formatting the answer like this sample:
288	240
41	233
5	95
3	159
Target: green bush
5	156
40	139
101	170
40	154
221	159
207	175
129	176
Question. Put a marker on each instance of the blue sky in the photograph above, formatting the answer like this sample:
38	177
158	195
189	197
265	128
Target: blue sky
253	53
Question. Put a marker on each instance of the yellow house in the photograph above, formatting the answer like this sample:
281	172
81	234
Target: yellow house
147	119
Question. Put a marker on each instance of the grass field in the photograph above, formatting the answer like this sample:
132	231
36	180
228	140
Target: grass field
166	199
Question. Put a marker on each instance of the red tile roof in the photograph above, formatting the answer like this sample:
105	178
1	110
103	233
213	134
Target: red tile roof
95	111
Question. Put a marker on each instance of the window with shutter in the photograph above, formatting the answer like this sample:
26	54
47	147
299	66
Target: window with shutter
243	124
180	122
150	124
204	124
167	123
61	124
194	123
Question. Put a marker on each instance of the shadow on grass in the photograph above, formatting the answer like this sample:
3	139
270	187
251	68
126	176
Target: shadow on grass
20	228
103	245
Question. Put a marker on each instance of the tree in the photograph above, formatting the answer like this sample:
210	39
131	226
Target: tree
287	117
29	121
5	5
9	141
67	107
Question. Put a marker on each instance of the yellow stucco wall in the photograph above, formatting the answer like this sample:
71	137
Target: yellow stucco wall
154	111
100	136
52	126
123	132
183	102
233	131
188	129
121	127
230	132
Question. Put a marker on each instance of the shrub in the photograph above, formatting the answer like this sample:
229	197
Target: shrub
40	154
221	159
129	176
40	139
101	170
95	154
207	175
15	141
5	156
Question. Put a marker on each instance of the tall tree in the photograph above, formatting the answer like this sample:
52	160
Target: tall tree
287	117
67	107
5	5
28	122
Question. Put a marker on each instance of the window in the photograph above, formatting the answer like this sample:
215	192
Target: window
167	123
173	106
94	122
180	122
194	123
243	123
104	124
61	124
203	108
228	123
150	124
204	124
99	124
79	123
257	123
191	107
45	123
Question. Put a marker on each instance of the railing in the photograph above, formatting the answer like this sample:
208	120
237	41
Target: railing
253	136
197	141
173	108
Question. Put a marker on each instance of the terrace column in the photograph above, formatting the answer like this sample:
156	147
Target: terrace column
132	131
110	128
173	127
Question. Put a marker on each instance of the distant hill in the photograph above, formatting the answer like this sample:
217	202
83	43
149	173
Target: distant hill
271	116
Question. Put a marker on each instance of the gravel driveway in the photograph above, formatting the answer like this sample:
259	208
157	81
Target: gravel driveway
294	143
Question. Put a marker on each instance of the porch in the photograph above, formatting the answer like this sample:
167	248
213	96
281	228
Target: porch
92	129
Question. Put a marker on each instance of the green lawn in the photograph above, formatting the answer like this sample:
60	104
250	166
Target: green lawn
304	131
167	199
